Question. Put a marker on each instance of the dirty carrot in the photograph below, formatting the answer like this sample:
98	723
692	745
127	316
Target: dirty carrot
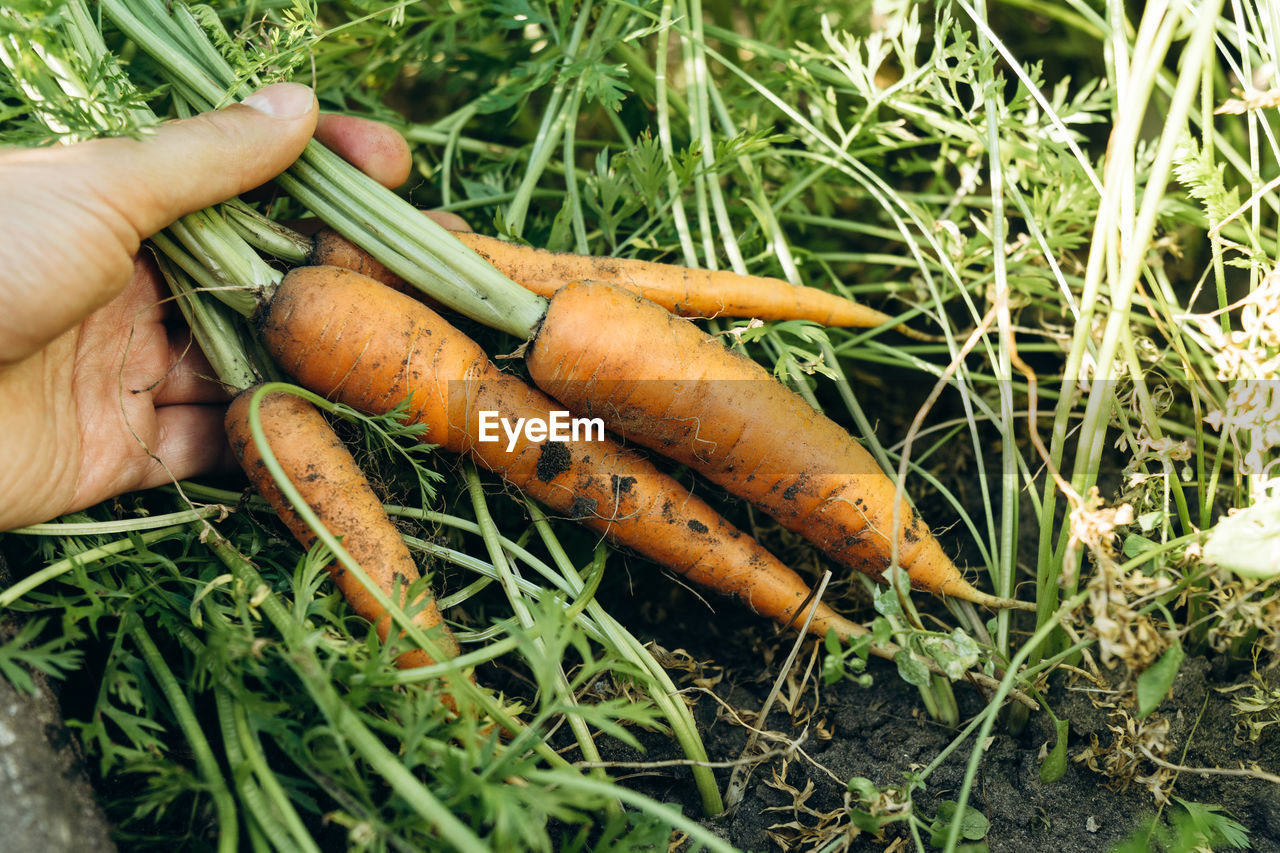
353	340
325	473
662	382
681	290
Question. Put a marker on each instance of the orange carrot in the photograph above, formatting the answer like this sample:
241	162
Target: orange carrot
323	470
331	249
662	382
351	339
681	290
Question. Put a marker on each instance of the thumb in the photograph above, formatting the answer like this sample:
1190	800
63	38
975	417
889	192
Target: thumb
96	201
183	166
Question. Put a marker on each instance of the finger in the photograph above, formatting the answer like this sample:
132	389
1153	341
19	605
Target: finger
445	219
180	442
373	148
190	378
190	441
183	166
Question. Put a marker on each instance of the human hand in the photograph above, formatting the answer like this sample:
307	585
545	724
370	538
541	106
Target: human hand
100	393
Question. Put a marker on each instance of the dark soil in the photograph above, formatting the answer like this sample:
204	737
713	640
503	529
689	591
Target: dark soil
882	733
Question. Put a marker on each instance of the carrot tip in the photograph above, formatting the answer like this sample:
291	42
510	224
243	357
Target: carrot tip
909	332
995	602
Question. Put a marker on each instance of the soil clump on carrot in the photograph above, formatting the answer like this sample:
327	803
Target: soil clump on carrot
553	461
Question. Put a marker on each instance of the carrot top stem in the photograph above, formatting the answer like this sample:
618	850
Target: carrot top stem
506	575
207	765
266	234
214	331
353	203
417	249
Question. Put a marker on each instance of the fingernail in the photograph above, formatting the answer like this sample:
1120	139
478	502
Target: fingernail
282	100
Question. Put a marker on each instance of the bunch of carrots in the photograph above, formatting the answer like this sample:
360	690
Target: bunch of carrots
683	400
601	337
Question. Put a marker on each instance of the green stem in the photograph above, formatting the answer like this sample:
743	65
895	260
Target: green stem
1005	549
224	804
696	832
1114	234
316	681
553	119
262	821
451	146
663	692
409	244
85	558
213	329
573	200
276	796
122	525
1080	23
663	99
638	67
507	577
700	128
267	235
239	299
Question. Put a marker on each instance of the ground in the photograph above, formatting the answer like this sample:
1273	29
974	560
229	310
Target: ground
880	733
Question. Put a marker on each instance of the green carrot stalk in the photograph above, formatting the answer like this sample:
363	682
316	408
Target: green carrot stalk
362	210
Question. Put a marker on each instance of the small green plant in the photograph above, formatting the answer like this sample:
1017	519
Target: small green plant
1189	827
1256	706
846	661
20	653
973	826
